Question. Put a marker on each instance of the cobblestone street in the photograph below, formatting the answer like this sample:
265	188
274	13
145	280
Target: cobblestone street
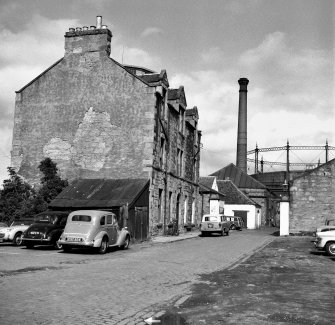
44	286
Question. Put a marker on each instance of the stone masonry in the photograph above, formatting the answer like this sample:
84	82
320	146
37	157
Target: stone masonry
97	118
312	198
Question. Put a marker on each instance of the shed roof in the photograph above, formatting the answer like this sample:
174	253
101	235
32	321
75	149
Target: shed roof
233	194
99	193
238	177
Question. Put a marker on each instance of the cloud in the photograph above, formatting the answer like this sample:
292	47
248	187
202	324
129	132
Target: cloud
151	31
291	78
290	96
212	55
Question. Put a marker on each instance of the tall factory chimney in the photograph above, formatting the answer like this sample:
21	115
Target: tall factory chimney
241	154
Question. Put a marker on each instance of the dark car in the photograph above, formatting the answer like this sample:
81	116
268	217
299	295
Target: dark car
46	229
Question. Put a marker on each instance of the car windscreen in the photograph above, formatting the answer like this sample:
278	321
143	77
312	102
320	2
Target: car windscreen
213	218
330	222
81	218
46	218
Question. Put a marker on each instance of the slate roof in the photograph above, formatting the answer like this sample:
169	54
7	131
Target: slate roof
155	79
207	181
238	177
207	190
232	194
99	193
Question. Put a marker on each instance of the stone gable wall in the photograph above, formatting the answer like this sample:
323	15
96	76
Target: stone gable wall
90	116
312	198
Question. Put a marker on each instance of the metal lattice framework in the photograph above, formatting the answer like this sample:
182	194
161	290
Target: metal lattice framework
286	148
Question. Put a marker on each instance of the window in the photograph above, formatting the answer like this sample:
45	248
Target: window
102	220
170	206
181	120
185	209
109	220
162	153
160	205
81	218
179	162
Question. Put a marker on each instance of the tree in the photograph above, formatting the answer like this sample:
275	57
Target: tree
51	182
16	197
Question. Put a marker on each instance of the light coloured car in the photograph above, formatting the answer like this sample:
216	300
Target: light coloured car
325	241
93	229
329	225
14	232
214	224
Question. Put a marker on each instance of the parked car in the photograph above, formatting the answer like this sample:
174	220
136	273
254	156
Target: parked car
325	241
14	232
93	229
45	230
329	225
236	223
3	225
214	224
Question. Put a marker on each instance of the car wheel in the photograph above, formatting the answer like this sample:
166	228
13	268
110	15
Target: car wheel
232	227
57	245
104	245
126	243
221	233
227	232
330	248
17	240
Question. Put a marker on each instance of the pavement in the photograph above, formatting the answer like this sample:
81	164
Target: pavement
170	239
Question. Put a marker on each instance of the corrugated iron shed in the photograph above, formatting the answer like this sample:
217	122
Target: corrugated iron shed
100	193
238	177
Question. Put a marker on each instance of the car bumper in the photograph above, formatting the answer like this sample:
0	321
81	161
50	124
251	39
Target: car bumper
36	241
75	244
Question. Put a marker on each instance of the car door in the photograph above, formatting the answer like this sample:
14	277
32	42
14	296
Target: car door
111	228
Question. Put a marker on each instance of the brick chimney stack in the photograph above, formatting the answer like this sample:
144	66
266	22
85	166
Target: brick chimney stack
85	40
241	154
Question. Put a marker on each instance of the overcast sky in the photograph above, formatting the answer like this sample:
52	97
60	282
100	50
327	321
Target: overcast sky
284	47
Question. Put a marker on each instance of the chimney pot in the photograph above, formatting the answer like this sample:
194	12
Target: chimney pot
85	28
78	29
99	22
92	27
71	29
104	26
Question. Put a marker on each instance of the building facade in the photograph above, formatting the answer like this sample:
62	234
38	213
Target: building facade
97	118
312	198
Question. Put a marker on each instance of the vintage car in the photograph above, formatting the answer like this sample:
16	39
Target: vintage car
46	229
237	223
329	225
14	232
93	229
325	241
214	224
3	225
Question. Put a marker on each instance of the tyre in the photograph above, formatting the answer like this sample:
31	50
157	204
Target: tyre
232	227
227	232
17	240
57	245
104	245
221	233
126	243
330	248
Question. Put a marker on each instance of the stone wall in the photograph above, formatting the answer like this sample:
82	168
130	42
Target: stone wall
312	198
89	115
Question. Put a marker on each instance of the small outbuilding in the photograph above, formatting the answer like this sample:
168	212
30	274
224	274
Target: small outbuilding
127	198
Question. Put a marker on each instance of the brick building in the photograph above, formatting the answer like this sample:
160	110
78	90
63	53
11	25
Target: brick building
312	198
99	119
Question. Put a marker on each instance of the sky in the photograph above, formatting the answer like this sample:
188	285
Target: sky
284	47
